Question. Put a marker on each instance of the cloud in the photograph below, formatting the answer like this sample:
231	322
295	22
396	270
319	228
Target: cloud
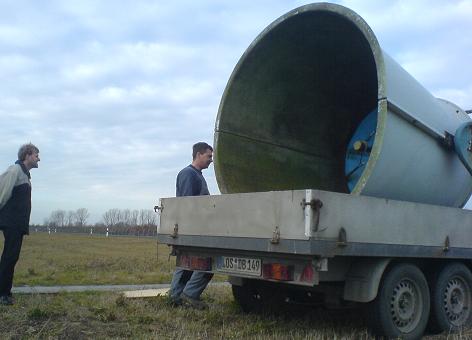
116	93
430	41
461	96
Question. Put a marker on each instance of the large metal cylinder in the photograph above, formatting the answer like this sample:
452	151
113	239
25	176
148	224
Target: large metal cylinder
314	102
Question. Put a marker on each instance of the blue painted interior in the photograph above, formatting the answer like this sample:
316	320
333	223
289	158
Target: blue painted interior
463	144
356	161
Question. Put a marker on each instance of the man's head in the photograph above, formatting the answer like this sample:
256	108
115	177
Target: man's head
29	155
202	155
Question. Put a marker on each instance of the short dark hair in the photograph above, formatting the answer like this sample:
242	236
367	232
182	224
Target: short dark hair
25	150
200	147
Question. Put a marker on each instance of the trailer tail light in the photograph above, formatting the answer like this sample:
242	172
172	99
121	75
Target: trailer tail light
194	262
277	271
307	274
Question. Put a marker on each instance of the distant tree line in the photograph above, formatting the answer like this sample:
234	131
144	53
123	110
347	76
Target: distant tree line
126	217
114	222
62	218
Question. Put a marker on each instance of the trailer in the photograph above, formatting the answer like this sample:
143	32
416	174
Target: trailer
342	181
402	258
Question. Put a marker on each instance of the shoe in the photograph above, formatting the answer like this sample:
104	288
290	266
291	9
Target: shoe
175	302
194	303
6	300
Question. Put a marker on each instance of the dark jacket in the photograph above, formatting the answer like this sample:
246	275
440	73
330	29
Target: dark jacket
15	198
190	182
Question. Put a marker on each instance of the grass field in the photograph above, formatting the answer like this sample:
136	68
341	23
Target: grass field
108	315
66	259
71	259
80	259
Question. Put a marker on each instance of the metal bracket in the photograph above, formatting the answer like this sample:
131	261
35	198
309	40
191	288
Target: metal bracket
321	265
315	205
342	238
447	244
176	231
275	236
448	140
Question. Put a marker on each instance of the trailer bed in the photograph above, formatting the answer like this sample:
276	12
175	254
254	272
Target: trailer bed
316	223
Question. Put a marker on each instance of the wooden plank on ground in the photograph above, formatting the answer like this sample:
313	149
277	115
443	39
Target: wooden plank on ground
146	293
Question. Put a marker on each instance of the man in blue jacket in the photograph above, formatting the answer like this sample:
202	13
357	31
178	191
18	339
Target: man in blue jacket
15	209
187	285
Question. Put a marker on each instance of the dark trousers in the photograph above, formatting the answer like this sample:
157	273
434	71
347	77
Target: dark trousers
10	256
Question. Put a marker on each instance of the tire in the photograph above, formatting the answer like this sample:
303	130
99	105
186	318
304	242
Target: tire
401	308
255	298
246	299
451	299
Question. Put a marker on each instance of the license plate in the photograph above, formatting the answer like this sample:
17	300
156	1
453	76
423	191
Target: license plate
239	265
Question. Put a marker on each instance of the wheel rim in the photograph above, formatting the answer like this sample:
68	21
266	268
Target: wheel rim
457	301
406	305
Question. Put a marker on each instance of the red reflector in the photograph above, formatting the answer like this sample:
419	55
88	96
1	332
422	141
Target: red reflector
307	274
277	271
194	262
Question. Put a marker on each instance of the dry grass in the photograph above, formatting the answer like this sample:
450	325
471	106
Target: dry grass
110	316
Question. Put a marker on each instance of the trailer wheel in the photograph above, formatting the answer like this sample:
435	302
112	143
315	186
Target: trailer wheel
247	298
451	295
253	298
401	307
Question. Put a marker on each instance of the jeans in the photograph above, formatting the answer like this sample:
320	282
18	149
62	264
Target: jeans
190	283
10	256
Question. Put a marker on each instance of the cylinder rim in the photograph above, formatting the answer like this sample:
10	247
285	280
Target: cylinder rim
224	172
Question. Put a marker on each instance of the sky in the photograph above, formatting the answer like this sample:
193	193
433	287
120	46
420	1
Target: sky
115	93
